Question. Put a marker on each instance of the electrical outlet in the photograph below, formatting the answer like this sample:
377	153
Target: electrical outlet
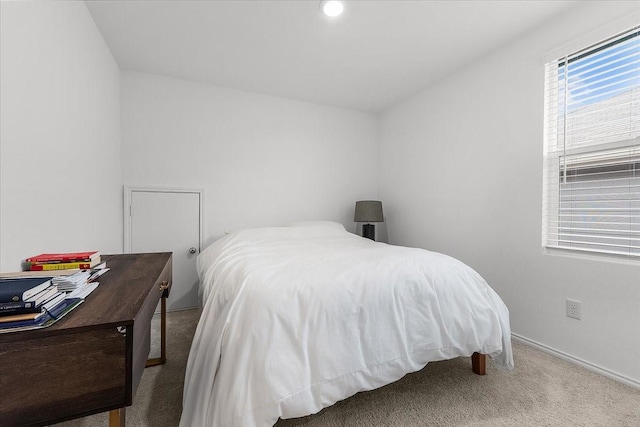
574	309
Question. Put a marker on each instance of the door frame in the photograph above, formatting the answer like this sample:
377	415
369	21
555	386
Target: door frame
130	189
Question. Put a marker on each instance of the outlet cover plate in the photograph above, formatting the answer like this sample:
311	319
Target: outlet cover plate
574	309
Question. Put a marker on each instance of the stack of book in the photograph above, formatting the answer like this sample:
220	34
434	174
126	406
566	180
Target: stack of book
29	302
78	279
27	299
63	261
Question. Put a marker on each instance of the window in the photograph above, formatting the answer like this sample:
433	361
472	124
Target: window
592	149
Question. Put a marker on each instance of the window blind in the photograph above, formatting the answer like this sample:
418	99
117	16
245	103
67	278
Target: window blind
591	173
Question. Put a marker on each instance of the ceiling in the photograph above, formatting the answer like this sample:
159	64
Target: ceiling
374	55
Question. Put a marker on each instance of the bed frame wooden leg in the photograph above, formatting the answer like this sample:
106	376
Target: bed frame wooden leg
479	363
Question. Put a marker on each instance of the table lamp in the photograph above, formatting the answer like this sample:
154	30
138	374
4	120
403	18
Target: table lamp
368	211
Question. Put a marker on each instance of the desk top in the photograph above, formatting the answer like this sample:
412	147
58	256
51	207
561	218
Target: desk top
115	302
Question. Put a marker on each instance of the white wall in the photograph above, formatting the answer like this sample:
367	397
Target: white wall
261	160
60	174
461	173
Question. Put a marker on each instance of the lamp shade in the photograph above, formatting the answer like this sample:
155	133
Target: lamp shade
368	211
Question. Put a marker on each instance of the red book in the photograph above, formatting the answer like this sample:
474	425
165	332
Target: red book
64	257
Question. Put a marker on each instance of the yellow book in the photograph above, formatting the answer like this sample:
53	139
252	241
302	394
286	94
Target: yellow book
64	265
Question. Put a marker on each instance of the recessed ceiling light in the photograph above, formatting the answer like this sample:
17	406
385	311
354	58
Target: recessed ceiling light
332	7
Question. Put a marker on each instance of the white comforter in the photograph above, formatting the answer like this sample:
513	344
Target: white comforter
297	318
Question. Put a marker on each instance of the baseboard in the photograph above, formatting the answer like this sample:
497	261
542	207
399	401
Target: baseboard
575	360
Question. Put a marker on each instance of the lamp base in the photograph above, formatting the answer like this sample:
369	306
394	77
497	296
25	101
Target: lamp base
369	231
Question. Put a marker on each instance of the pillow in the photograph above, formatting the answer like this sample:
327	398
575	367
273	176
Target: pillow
331	224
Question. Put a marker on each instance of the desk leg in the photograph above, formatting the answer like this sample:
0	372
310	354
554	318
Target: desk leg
116	417
163	336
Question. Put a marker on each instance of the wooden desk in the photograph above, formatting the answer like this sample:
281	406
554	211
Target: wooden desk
91	360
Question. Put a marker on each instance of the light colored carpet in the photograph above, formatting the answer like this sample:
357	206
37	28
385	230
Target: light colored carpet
541	391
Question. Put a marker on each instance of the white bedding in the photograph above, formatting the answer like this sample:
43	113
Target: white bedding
297	318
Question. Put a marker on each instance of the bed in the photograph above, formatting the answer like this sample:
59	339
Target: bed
297	318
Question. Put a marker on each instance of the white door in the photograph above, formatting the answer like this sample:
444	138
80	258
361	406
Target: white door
168	221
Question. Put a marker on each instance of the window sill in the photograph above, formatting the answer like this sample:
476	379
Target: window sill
592	256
